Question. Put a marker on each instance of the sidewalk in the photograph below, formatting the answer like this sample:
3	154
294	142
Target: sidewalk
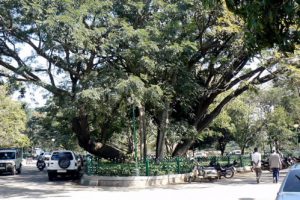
249	177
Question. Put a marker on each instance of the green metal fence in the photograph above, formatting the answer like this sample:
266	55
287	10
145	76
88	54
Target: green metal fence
96	166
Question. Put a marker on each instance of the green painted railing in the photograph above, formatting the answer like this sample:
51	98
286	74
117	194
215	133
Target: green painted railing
178	165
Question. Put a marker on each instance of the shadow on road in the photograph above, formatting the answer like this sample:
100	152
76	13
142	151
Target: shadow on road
32	183
21	192
247	178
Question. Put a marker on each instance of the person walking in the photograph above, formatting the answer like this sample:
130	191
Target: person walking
256	164
275	165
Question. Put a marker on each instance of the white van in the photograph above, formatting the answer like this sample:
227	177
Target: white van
11	160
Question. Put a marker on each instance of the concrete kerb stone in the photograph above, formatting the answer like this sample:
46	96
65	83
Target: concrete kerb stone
132	181
141	181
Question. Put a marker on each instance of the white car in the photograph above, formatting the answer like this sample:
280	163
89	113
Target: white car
10	160
63	163
290	189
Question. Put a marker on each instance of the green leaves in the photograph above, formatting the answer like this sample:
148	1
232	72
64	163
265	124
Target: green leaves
269	23
13	122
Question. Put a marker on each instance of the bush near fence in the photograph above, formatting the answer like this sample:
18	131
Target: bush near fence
178	165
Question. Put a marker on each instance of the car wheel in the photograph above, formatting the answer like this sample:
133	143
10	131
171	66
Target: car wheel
51	176
19	169
76	175
13	171
64	162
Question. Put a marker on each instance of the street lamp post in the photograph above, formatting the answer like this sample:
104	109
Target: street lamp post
134	135
53	140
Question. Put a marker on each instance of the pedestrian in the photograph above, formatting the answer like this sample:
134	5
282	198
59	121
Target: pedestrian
275	165
256	164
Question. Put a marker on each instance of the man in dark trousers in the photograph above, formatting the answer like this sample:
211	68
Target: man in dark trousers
275	165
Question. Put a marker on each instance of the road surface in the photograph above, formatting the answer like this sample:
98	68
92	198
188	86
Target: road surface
33	184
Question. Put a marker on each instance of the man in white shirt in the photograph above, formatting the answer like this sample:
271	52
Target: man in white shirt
256	164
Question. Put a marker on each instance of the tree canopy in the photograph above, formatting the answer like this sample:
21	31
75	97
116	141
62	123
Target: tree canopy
99	59
13	122
270	23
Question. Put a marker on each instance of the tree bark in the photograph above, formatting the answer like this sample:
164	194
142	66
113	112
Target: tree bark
182	147
161	133
143	132
81	128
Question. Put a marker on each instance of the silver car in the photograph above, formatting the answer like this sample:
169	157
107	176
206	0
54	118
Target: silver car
290	188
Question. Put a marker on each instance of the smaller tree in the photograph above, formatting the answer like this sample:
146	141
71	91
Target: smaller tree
13	122
278	128
222	130
246	122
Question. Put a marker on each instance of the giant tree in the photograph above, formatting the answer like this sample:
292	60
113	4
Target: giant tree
100	58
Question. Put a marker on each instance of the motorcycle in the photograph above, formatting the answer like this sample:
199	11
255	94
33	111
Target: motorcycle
232	165
40	164
200	173
265	165
226	171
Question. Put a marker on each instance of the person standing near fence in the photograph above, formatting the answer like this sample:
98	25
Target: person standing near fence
256	164
275	165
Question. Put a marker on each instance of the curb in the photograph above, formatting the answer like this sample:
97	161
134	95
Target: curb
132	181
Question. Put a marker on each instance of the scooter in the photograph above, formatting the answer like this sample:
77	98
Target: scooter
40	164
203	173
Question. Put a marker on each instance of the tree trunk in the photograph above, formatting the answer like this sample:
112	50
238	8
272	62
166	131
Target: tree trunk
161	133
182	147
222	149
81	128
204	118
243	150
142	132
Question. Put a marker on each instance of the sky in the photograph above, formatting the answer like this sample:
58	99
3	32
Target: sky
34	95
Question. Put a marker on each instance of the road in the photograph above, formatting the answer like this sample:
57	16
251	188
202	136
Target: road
33	184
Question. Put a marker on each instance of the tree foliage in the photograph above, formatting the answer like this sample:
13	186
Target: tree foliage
270	22
100	58
13	122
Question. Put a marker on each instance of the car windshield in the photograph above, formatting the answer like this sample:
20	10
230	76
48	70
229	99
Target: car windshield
7	155
292	183
57	155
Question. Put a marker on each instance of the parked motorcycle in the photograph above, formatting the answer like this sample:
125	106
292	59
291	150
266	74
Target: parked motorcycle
232	165
227	172
265	165
40	164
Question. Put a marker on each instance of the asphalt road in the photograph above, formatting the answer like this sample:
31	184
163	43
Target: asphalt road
33	184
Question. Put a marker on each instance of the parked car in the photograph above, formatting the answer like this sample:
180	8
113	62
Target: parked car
290	189
63	163
11	160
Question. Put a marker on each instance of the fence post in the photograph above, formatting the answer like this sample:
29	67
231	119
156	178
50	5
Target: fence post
147	167
241	161
178	166
228	159
90	165
97	165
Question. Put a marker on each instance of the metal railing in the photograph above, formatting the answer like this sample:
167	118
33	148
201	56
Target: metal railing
150	167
